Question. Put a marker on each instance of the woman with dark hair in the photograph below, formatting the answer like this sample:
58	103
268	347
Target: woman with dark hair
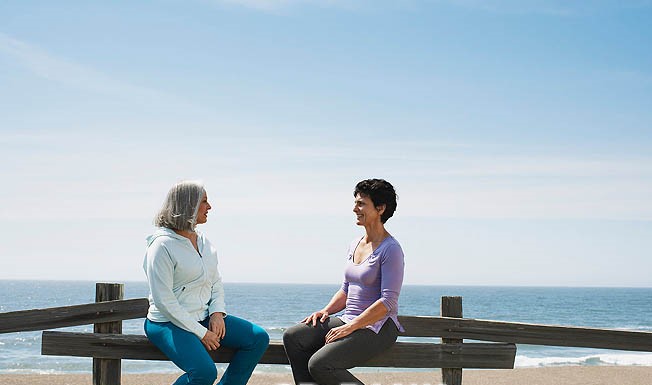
321	348
187	316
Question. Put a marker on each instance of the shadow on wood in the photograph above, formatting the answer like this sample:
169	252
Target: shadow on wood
401	355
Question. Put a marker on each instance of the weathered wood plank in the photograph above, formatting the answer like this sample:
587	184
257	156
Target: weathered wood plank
522	333
402	354
416	326
431	355
451	307
57	317
106	371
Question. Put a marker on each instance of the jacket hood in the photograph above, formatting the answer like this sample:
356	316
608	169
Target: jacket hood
164	232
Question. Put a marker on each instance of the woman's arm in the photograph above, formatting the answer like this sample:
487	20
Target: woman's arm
391	273
337	303
217	309
371	315
216	303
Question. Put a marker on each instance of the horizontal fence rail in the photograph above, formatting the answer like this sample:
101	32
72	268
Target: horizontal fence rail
402	354
523	333
416	326
86	314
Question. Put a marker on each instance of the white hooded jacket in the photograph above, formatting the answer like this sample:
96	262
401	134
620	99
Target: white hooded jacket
185	286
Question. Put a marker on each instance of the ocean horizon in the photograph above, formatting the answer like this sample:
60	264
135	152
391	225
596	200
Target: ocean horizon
276	306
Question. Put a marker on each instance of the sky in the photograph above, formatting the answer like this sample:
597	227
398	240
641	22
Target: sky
518	135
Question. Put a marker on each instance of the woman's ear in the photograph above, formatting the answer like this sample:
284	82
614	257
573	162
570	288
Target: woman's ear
381	209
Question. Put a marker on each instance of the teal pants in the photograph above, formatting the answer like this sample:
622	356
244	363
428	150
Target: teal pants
187	352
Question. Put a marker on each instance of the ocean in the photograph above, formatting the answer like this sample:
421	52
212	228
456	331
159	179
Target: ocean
278	306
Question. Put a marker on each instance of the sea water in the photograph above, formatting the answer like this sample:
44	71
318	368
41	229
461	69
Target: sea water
278	306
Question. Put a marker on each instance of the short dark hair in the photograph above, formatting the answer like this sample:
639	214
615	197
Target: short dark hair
381	192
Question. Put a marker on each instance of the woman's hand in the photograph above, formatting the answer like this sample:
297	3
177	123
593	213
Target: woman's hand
216	325
339	332
320	315
210	341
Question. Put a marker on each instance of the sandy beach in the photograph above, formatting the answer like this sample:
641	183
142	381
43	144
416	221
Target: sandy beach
567	375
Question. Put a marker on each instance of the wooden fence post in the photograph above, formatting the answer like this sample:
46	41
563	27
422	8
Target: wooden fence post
451	307
107	371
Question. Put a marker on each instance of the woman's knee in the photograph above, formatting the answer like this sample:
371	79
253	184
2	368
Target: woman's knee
261	338
204	374
289	334
318	365
295	335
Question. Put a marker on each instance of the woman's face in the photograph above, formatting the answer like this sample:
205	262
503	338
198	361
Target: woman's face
365	211
202	213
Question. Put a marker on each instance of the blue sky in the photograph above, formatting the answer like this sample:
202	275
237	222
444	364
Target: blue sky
517	133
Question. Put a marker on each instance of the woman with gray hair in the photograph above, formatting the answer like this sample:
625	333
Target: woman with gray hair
187	315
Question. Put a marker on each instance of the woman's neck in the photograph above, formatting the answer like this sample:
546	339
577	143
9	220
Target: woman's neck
375	233
186	233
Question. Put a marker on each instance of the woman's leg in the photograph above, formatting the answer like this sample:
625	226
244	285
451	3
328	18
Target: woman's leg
328	366
301	341
185	350
250	342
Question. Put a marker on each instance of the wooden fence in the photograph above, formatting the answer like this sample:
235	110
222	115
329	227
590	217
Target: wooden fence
107	345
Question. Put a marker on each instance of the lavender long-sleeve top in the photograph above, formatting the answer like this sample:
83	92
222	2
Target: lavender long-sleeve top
379	276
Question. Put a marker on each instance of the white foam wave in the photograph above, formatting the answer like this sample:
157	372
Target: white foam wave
33	371
622	359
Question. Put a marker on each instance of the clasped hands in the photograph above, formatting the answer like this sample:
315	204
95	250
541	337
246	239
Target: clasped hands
216	331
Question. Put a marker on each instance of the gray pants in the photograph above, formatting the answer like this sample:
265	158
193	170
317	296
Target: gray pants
314	362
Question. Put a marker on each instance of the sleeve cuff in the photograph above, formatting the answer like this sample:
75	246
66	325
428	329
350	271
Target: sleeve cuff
390	305
199	331
216	309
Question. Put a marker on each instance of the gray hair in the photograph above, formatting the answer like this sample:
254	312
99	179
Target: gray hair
179	210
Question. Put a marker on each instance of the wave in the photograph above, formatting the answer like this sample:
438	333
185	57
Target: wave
130	366
42	371
616	359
